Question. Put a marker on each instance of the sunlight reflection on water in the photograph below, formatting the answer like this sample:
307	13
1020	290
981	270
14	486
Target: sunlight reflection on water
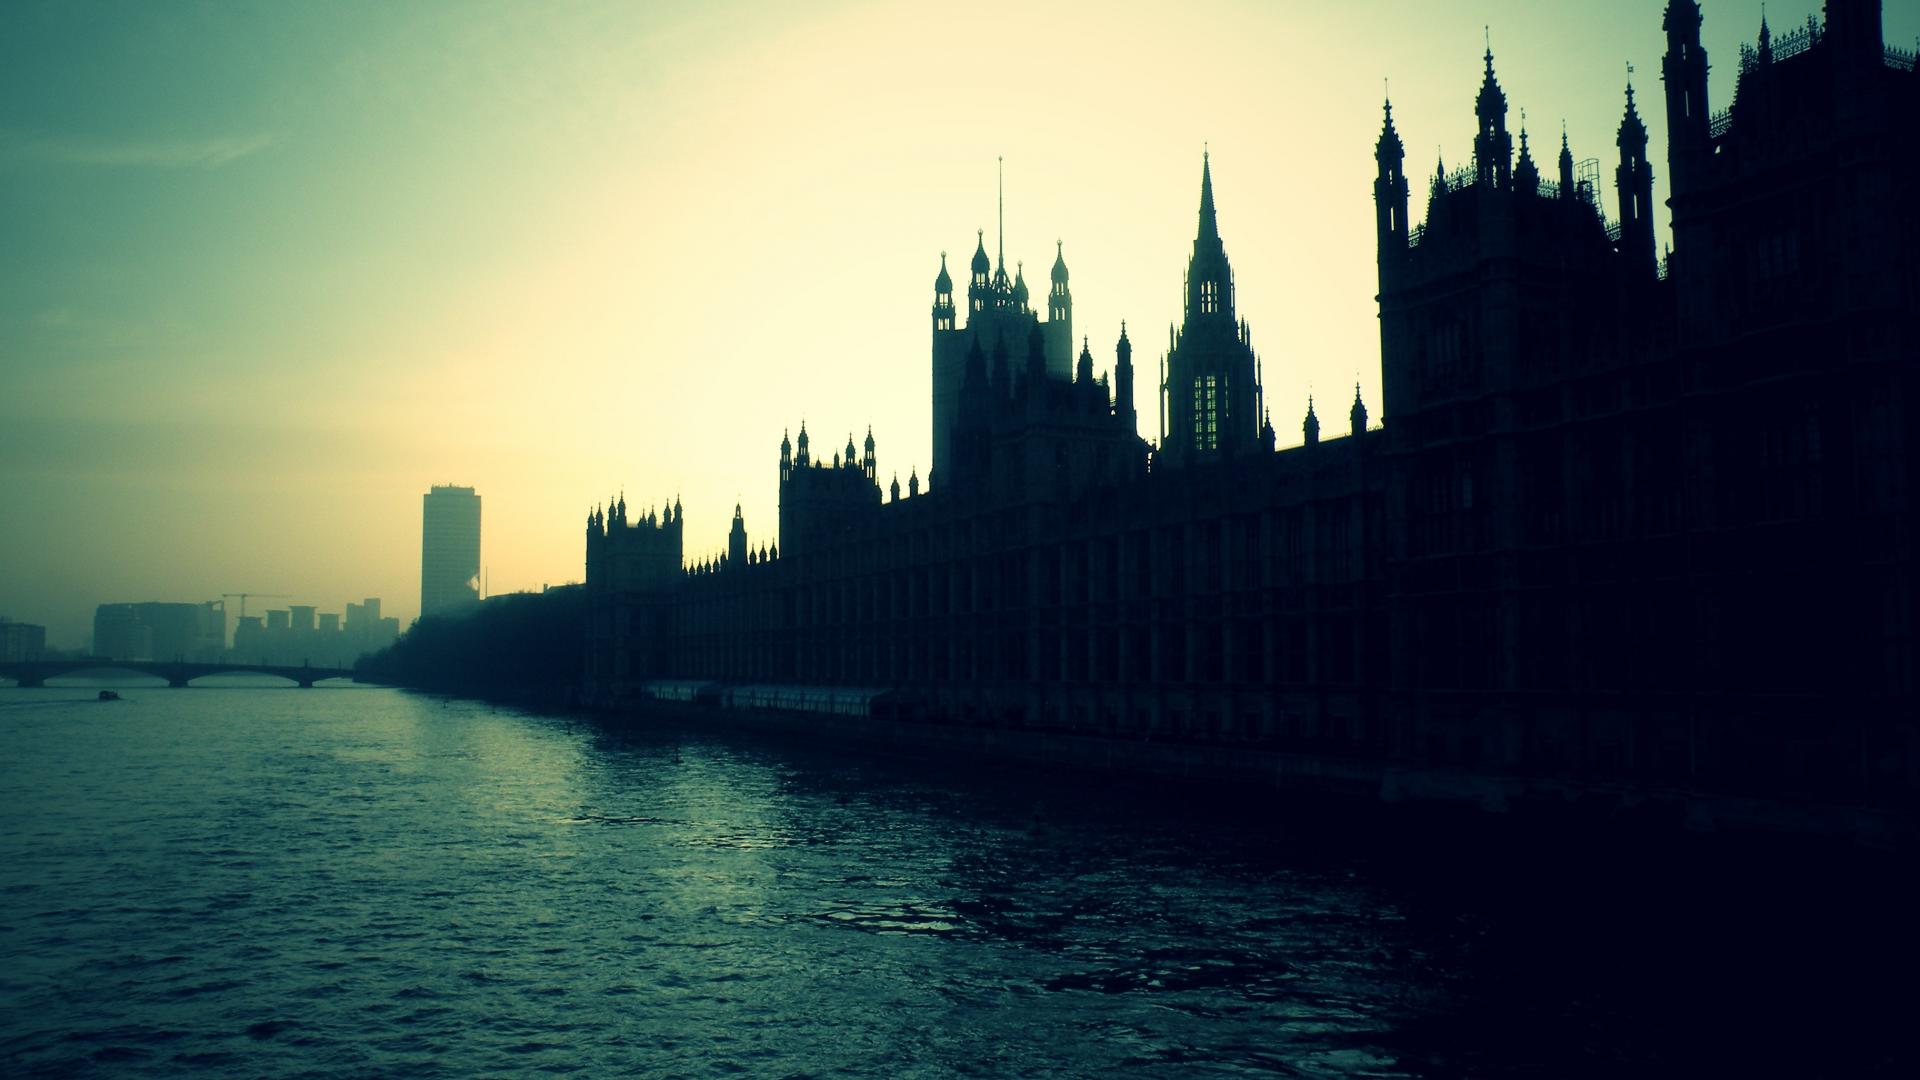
339	882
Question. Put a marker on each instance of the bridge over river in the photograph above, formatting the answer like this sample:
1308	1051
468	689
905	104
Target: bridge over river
176	672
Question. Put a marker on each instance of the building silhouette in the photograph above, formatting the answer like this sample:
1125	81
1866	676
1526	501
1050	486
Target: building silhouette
1632	521
21	641
160	631
449	551
301	635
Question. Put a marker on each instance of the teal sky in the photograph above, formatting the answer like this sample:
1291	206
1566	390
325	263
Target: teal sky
269	270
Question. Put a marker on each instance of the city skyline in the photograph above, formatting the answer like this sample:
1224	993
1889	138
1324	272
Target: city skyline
252	350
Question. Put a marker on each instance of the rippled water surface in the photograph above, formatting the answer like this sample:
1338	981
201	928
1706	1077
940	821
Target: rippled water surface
348	881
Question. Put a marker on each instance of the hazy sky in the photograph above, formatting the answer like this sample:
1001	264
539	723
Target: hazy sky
268	271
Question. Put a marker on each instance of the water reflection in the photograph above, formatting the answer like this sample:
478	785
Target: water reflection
259	882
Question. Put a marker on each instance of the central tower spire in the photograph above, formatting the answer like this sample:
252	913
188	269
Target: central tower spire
1212	385
1209	225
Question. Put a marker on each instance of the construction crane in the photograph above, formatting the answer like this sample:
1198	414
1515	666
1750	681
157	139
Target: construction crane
224	597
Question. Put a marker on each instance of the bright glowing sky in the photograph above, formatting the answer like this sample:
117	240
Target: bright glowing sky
268	271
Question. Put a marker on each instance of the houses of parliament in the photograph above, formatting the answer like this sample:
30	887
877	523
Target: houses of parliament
1629	519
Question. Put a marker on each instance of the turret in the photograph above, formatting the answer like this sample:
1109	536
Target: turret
850	459
1083	371
979	291
868	462
1390	192
1123	380
786	458
893	491
1310	427
1566	166
737	540
1357	415
1526	175
1020	293
1059	300
1634	182
913	482
943	314
1492	146
801	458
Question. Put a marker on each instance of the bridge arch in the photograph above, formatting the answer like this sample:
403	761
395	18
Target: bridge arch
177	673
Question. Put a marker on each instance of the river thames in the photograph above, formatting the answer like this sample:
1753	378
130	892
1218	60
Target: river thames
352	881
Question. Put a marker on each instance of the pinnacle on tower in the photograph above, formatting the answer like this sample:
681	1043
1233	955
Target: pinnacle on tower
1209	225
1526	175
1631	126
1566	164
1492	148
1389	144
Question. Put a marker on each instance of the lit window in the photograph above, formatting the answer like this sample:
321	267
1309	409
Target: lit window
1206	411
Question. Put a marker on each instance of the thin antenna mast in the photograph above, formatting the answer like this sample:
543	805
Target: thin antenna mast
1003	209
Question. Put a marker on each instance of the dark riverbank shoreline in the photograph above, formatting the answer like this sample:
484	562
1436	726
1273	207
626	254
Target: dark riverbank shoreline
1528	809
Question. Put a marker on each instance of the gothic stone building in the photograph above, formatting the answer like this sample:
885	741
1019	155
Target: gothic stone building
1632	520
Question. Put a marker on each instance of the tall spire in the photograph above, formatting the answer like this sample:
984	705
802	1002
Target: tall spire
1390	189
1209	226
1566	164
1634	181
1209	277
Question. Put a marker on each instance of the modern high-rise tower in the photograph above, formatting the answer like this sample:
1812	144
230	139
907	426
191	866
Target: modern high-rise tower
449	550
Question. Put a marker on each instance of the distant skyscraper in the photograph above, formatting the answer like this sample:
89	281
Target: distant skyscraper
449	550
159	631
